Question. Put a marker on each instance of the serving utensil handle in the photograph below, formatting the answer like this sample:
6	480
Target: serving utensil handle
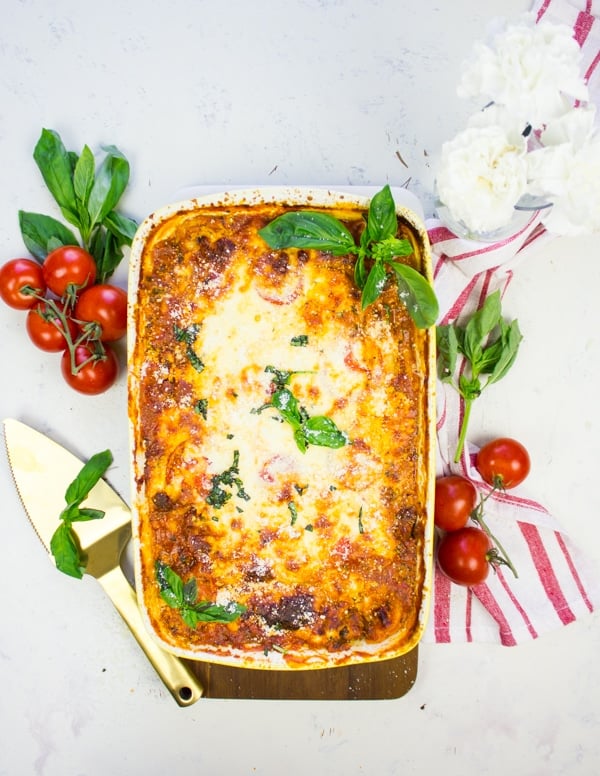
181	682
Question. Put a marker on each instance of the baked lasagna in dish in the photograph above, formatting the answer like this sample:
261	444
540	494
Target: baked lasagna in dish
282	440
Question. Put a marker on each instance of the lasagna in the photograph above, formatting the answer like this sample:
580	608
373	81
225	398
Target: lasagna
282	464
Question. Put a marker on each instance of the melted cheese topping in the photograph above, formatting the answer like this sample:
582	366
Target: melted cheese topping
323	548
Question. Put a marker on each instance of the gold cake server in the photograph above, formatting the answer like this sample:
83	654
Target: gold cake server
42	470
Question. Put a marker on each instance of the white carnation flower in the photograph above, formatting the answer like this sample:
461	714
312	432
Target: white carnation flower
574	126
494	115
482	175
528	68
569	176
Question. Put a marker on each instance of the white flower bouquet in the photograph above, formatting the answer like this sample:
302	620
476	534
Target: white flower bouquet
534	145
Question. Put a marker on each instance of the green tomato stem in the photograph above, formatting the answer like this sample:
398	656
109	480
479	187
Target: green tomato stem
502	556
89	335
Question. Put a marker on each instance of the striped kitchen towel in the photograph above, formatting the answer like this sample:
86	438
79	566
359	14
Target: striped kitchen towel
557	582
584	17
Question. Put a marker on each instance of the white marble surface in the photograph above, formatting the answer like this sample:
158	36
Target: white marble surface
302	91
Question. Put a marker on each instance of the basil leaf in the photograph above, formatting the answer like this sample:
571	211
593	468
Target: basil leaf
360	272
170	585
55	164
300	439
489	357
65	550
89	475
287	405
42	233
322	431
308	229
83	176
374	284
73	159
418	296
121	227
481	323
110	182
382	221
83	180
87	514
447	352
299	341
107	252
190	591
187	334
201	408
204	611
293	512
511	339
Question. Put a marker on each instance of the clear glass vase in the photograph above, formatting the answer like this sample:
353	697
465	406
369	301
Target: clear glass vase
522	214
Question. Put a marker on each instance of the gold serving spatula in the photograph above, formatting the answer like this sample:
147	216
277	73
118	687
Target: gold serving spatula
42	470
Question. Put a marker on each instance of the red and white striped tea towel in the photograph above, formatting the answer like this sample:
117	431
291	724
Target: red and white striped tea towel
584	17
557	582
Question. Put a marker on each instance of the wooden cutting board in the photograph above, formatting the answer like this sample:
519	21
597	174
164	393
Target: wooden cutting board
371	681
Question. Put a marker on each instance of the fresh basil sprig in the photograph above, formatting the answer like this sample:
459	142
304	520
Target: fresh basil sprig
184	597
376	253
488	346
317	430
87	195
64	545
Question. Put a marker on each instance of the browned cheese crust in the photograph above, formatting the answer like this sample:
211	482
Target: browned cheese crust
323	548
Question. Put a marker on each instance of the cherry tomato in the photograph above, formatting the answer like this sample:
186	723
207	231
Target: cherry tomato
503	462
105	305
17	275
69	267
455	499
463	555
92	375
45	328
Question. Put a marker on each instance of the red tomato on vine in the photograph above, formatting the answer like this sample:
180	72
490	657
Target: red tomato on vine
503	462
455	499
105	305
464	555
90	373
21	282
68	269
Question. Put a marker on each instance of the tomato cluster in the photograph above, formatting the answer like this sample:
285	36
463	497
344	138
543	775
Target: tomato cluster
69	313
466	552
